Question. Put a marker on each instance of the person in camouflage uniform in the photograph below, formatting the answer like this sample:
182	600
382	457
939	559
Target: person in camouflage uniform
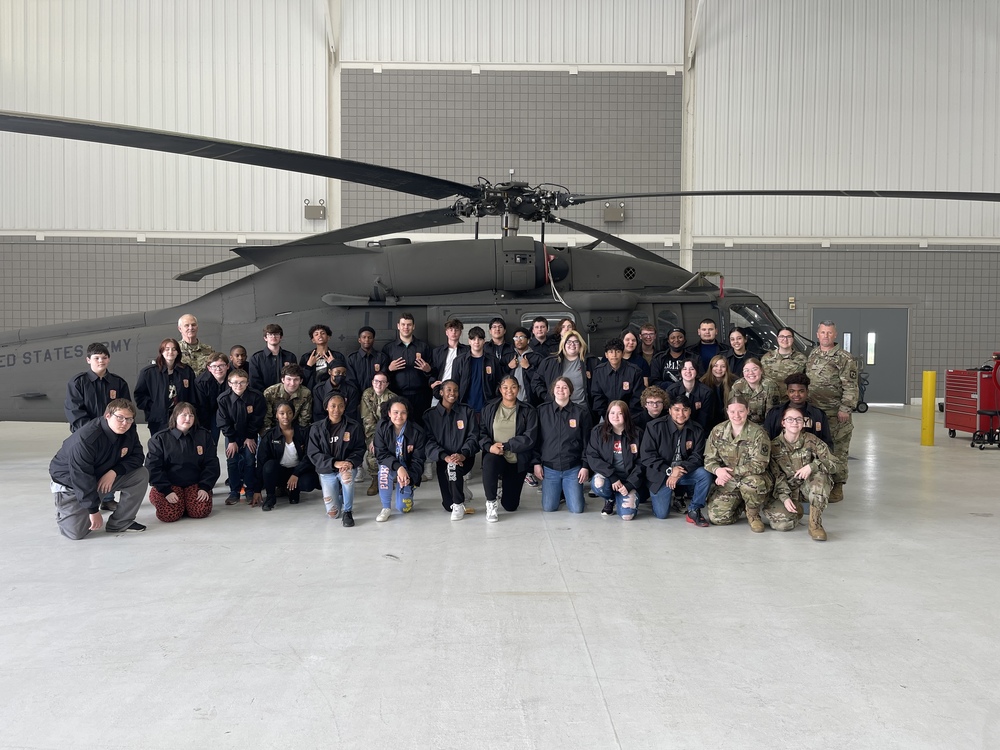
290	389
737	453
372	401
760	392
194	353
801	467
779	363
833	387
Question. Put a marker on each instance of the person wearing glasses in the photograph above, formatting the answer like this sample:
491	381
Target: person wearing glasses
779	363
103	456
183	467
90	392
207	388
802	468
240	418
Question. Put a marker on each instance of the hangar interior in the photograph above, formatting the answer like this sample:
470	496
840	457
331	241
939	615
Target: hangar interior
559	634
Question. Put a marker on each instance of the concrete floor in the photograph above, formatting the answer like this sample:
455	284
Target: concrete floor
286	630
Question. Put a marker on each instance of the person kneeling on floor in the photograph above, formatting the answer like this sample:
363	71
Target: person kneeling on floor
183	467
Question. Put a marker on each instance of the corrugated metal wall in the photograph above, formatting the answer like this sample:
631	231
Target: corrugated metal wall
514	32
247	70
900	94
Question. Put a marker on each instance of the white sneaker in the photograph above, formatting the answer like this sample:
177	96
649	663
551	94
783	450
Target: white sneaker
457	511
383	515
491	512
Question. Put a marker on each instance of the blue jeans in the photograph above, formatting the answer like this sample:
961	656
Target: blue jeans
699	479
338	492
626	505
565	483
242	471
387	483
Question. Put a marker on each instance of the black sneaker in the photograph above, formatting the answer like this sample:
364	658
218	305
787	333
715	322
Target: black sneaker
136	526
111	505
268	503
348	518
609	508
695	517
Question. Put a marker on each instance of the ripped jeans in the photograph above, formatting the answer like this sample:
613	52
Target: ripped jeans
626	505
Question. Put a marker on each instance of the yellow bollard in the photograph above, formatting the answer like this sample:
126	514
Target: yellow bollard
929	404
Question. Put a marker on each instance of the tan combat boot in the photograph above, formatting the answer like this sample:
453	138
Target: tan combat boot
837	493
816	530
753	517
373	488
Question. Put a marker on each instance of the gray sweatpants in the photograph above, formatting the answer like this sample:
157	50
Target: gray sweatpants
74	520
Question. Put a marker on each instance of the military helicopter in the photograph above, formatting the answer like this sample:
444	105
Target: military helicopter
322	279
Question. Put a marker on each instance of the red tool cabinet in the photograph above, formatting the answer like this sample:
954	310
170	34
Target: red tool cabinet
966	392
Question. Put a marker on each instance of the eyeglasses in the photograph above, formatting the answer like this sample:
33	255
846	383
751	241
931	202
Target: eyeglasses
520	336
237	382
654	403
784	337
217	367
793	420
123	420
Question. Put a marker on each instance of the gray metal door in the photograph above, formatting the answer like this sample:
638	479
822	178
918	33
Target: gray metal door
878	335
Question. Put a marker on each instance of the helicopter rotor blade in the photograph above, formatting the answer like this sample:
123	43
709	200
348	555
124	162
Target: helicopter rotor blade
328	243
632	249
240	153
571	199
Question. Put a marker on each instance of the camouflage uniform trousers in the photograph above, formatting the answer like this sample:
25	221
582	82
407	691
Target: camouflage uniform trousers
841	434
727	502
815	491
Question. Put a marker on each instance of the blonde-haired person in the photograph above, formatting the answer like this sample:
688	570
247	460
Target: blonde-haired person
569	362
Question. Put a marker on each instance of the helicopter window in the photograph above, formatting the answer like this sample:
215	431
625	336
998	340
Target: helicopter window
553	318
760	326
667	319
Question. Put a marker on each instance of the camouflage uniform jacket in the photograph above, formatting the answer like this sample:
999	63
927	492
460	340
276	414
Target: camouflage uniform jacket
833	380
745	455
787	458
301	402
196	356
760	401
371	410
777	367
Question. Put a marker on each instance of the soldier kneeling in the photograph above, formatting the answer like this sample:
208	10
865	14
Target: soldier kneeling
737	453
802	468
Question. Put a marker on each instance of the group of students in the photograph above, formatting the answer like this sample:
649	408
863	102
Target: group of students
528	407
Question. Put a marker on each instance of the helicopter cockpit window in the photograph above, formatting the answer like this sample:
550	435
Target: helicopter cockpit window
553	318
760	328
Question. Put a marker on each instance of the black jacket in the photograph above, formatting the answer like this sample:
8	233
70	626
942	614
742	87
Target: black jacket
88	454
265	368
351	395
816	423
551	368
271	447
665	370
695	353
410	379
500	356
600	458
361	367
462	373
665	445
329	443
607	385
87	396
318	372
206	398
414	453
702	402
178	460
456	431
241	417
525	432
439	359
152	389
563	432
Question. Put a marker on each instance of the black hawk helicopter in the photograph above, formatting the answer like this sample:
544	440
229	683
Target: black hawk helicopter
322	279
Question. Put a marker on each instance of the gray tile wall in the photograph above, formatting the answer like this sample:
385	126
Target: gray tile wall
955	319
592	132
62	279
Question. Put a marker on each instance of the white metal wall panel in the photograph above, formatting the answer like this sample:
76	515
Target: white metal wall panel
514	32
245	70
809	94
